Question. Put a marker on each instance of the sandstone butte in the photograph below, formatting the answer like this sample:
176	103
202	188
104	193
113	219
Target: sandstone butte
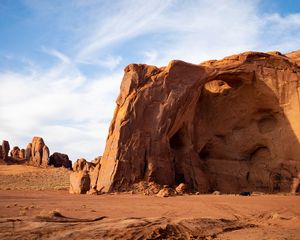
230	125
36	154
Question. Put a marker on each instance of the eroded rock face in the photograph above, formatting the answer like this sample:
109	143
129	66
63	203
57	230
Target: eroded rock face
230	125
60	160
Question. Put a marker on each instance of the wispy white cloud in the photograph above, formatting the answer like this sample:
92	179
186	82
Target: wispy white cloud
110	62
131	18
55	53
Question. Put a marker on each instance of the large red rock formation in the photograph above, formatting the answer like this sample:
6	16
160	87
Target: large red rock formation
230	125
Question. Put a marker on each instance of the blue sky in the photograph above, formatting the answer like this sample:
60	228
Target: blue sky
61	62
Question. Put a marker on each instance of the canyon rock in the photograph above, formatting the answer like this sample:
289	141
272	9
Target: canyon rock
230	125
60	160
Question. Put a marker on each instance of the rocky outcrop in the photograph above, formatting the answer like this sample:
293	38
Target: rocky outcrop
17	153
84	177
36	153
39	154
15	156
230	125
60	160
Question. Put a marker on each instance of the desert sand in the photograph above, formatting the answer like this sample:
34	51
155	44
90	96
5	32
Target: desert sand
56	214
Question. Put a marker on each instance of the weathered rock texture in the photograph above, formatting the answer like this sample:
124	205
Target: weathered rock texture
60	160
230	125
84	177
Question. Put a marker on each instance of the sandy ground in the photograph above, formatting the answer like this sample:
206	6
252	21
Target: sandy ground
56	214
147	217
16	177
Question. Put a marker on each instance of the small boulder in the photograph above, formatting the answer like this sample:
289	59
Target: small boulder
92	191
295	184
216	193
245	193
181	188
165	192
153	188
